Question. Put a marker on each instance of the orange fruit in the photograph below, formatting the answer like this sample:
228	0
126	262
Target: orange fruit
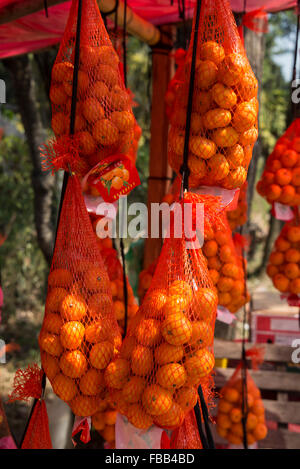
52	323
87	144
123	120
186	397
293	234
222	431
117	373
138	417
282	244
206	301
283	176
221	237
60	278
89	57
107	55
95	279
245	116
175	304
235	415
202	334
119	309
235	178
141	360
225	97
73	364
291	271
225	284
101	354
54	299
97	332
73	308
234	439
50	365
119	99
206	74
106	73
167	353
99	303
58	123
172	418
202	103
128	345
225	406
210	248
281	282
105	132
218	167
110	417
92	382
273	192
148	332
156	400
176	329
82	85
225	137
272	270
216	118
248	85
213	51
258	408
197	166
92	110
295	286
237	429
232	69
58	95
276	258
171	376
62	71
251	421
235	156
98	421
64	387
199	365
231	394
202	147
72	334
226	254
84	406
133	389
260	431
296	176
231	270
50	343
223	421
287	195
214	275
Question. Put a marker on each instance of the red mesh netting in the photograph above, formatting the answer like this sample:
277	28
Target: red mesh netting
145	279
229	418
37	434
238	216
284	260
187	436
225	265
104	123
225	107
79	335
179	56
280	181
168	348
27	384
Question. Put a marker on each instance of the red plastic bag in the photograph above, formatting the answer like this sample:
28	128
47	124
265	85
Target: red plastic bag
229	417
168	352
280	181
80	334
104	123
225	107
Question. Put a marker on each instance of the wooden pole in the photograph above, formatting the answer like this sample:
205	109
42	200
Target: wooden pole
159	169
136	25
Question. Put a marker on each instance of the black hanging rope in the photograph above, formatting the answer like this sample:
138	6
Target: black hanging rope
46	8
66	174
182	16
185	168
125	289
203	439
110	12
210	440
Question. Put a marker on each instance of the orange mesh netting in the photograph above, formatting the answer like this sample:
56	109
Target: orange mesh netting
225	107
37	434
187	435
79	334
104	123
229	418
225	265
167	351
284	260
280	181
27	384
238	216
145	279
179	56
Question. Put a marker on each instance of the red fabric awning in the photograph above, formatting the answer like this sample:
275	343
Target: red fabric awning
36	31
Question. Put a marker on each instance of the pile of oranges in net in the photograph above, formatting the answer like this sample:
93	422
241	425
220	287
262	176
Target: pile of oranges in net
104	123
229	417
225	267
284	260
80	335
238	216
224	107
280	181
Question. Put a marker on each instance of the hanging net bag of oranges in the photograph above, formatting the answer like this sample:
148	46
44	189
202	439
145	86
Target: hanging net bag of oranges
284	262
225	266
79	335
280	180
231	420
104	122
167	351
238	216
225	106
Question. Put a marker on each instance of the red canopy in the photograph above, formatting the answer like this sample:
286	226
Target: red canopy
35	31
